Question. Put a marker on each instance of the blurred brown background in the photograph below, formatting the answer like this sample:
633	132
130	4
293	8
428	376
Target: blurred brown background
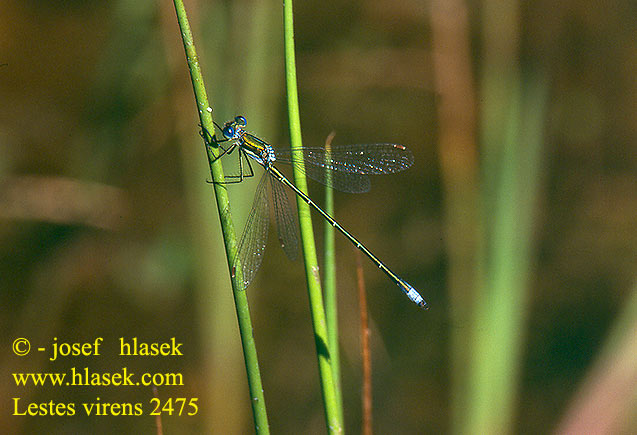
109	228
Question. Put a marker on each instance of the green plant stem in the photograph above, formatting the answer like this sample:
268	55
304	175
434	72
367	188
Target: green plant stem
328	389
329	284
229	235
514	114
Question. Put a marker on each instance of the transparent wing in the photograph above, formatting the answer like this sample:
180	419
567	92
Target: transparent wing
341	181
255	235
285	223
347	166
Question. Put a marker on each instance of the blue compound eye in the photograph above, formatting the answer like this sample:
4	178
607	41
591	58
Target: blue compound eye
228	131
240	120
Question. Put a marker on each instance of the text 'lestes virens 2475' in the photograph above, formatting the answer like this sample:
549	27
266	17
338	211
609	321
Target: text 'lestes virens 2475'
345	168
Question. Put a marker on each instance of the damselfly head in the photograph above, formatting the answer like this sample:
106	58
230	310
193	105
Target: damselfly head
228	131
232	129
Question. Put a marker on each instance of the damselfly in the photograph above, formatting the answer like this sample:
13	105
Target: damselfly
345	168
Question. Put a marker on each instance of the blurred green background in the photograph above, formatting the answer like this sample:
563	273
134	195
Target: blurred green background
517	221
